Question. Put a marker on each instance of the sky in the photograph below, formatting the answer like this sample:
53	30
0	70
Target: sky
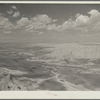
49	23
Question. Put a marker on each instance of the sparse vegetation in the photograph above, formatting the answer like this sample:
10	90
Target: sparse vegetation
59	67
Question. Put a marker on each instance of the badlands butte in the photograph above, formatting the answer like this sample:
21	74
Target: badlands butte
50	67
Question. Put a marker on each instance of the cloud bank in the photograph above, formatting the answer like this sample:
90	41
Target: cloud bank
82	23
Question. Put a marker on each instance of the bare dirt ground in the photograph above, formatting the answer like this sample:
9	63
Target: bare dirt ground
63	67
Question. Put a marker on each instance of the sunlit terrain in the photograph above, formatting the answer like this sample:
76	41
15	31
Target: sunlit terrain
50	67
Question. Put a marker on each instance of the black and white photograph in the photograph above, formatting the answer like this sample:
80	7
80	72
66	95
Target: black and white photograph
49	47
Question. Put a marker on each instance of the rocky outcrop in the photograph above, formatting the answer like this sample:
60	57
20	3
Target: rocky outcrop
10	81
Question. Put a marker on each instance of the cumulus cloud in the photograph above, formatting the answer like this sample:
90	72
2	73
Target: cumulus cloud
5	25
51	27
13	12
13	7
4	22
36	23
66	25
43	19
82	22
23	22
10	11
94	13
16	14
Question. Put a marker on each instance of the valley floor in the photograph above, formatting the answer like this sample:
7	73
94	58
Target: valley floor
49	67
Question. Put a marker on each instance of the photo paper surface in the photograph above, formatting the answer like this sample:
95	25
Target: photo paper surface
49	47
